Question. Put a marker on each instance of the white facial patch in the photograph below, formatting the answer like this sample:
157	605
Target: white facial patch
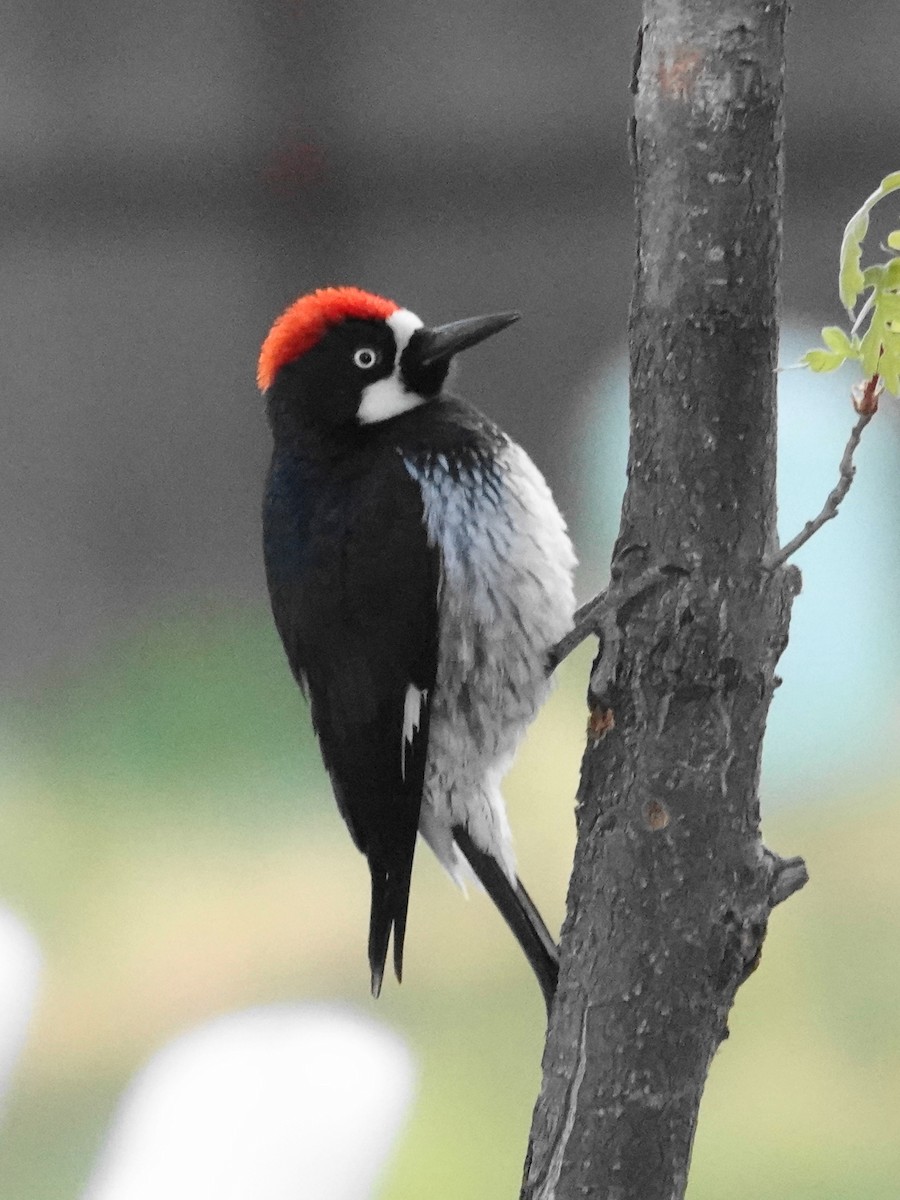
388	397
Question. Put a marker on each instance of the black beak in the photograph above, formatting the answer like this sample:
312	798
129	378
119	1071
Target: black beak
435	345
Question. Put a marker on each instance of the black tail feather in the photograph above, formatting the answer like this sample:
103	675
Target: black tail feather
390	901
518	911
380	922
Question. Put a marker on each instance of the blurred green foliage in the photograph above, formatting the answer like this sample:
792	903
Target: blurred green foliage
169	834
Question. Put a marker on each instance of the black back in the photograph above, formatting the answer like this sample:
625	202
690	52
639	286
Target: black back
354	591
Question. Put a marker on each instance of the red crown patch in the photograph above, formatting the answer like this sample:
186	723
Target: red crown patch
308	319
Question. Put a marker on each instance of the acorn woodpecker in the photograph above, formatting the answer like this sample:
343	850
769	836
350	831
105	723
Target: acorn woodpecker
419	573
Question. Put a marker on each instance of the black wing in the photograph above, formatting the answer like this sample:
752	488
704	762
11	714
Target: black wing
354	585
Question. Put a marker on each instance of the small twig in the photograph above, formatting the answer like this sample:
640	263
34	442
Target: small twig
585	624
789	875
599	615
832	504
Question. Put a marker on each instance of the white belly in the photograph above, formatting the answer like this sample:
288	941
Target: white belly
506	598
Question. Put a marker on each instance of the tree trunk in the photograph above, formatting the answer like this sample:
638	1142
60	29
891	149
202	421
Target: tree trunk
672	887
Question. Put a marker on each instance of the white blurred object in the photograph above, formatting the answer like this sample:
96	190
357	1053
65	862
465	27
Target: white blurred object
280	1103
20	969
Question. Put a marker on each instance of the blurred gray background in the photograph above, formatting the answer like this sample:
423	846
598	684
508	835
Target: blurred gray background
173	175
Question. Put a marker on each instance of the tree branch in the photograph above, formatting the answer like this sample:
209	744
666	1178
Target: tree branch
847	471
586	622
672	888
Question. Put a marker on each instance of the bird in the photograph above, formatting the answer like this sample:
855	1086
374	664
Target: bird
419	573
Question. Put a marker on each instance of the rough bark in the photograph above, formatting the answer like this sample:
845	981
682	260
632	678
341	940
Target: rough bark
672	887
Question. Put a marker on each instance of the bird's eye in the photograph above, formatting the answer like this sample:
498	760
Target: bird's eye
365	358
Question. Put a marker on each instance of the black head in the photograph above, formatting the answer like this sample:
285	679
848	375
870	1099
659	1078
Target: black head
328	364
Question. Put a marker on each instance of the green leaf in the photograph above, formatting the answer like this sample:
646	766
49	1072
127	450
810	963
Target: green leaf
837	340
823	360
892	272
851	280
887	306
893	239
871	348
